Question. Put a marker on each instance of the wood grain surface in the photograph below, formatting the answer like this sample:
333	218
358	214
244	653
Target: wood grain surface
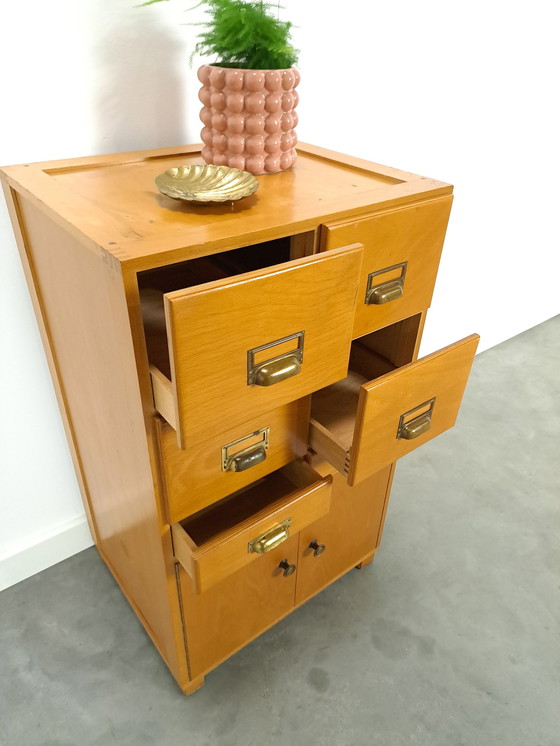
194	477
112	201
215	545
411	234
442	375
211	328
350	532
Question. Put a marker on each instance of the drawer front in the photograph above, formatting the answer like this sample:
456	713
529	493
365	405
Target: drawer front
402	249
247	542
254	342
401	410
209	471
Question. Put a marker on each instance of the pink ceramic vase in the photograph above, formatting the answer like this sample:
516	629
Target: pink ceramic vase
249	118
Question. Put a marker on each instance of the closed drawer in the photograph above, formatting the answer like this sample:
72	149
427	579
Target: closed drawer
361	425
213	545
402	248
225	463
253	342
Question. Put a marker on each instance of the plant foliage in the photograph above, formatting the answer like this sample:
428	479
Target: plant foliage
245	34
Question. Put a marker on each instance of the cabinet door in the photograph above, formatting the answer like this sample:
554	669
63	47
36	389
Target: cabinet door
349	533
231	613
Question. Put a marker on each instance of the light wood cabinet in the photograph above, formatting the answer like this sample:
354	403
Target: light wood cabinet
236	380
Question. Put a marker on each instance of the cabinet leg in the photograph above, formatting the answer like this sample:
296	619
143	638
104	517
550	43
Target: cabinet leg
193	685
366	561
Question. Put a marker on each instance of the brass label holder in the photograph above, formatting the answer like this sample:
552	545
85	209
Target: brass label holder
412	427
378	293
240	459
278	368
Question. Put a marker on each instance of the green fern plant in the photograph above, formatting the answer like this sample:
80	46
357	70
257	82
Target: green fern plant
245	34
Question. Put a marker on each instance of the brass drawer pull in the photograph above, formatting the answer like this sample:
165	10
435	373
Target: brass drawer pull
275	369
287	568
378	293
386	292
412	428
418	426
244	458
271	539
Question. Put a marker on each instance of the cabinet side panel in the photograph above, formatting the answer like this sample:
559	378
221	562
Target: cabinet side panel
15	216
82	303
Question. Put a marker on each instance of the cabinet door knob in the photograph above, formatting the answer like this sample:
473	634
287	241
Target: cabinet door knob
318	549
287	568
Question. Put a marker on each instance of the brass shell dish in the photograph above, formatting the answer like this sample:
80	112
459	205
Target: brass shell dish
206	183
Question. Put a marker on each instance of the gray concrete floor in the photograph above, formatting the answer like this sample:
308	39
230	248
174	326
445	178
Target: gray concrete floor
451	636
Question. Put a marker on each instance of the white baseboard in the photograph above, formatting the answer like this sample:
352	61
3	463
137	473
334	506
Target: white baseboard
46	550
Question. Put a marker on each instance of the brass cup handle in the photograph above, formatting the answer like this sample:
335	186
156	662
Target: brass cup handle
246	459
277	370
385	292
318	549
378	293
418	426
271	539
287	568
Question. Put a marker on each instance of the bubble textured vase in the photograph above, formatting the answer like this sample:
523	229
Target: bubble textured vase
249	118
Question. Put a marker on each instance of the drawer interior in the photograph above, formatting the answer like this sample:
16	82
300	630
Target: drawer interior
250	503
334	409
390	403
214	543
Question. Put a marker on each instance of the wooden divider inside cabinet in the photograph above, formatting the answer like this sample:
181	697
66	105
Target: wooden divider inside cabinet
379	413
348	534
402	248
241	529
231	613
230	460
251	342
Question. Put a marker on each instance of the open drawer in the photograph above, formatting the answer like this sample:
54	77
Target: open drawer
222	351
237	531
402	248
379	413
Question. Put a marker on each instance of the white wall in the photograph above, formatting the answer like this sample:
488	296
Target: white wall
465	93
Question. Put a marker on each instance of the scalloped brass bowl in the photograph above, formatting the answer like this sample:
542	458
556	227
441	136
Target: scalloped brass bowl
206	183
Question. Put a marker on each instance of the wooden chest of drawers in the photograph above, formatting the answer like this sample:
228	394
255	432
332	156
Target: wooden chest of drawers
236	381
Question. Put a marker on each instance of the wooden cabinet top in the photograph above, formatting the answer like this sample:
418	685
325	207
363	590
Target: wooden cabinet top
111	203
